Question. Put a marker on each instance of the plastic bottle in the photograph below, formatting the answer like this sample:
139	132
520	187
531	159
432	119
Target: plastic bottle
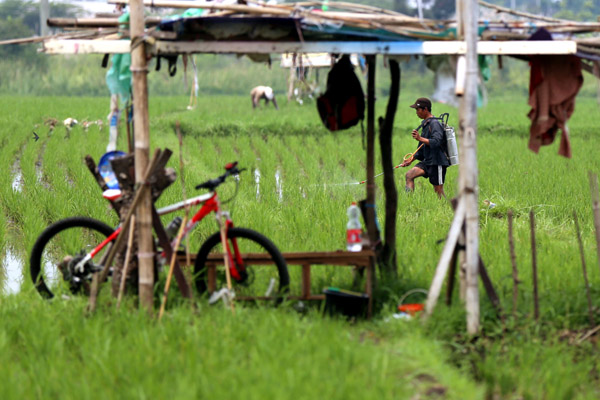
173	228
353	229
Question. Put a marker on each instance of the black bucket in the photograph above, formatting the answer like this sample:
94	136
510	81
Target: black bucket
345	302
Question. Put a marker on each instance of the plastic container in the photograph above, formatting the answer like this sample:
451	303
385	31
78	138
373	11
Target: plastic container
411	308
173	227
353	229
345	302
451	146
106	170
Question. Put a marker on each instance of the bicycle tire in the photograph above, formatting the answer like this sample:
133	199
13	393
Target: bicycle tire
44	243
259	244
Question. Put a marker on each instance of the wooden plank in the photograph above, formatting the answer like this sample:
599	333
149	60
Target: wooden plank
359	259
523	47
305	281
65	46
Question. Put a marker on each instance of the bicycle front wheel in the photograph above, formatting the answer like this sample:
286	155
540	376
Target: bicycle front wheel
262	270
58	249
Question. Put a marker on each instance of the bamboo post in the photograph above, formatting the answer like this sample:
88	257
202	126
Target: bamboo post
44	15
226	260
171	268
584	267
513	261
444	263
596	210
139	71
536	306
468	172
101	276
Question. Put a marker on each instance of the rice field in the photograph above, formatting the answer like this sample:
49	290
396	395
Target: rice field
300	179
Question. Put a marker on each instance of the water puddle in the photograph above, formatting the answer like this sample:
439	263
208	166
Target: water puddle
257	180
13	273
279	184
17	182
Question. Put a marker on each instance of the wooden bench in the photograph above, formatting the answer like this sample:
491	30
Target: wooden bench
306	260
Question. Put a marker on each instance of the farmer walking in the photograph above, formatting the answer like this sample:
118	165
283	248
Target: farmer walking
431	155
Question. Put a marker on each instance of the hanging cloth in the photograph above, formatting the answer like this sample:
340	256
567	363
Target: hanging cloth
553	84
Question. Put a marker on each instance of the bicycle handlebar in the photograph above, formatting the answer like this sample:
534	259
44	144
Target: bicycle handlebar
212	184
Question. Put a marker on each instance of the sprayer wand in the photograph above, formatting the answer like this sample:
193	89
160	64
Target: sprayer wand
406	157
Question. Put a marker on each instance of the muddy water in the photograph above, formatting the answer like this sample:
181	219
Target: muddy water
12	273
279	185
257	180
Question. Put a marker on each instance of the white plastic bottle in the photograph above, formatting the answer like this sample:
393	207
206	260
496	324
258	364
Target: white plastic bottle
353	229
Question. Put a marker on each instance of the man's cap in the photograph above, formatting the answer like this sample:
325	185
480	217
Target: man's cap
422	102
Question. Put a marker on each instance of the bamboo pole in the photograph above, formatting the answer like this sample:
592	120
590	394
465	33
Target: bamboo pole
536	305
468	172
513	261
518	13
102	275
139	71
596	210
584	268
444	263
226	261
171	268
44	14
96	22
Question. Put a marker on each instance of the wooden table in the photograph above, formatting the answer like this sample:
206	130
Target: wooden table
364	258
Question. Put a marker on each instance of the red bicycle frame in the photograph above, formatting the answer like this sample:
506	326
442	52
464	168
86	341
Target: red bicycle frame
210	203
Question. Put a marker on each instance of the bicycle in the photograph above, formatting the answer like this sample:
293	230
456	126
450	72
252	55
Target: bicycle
74	249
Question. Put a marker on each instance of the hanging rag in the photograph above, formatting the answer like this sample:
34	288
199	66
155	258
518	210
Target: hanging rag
554	83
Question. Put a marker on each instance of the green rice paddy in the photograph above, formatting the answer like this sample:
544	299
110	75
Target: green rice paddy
308	177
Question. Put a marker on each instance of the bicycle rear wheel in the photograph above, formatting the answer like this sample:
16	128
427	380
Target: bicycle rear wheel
263	268
58	249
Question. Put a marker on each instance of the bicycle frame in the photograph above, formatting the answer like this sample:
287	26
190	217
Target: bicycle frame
210	203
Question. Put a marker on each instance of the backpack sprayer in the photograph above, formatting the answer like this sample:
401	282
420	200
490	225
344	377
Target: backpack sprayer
451	146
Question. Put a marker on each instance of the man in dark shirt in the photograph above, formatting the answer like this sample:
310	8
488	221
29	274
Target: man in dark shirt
432	156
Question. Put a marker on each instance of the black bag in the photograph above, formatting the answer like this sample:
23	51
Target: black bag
343	103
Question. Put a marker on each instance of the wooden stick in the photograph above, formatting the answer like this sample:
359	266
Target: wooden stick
536	306
444	262
125	267
519	13
171	268
584	267
513	261
596	210
589	333
226	262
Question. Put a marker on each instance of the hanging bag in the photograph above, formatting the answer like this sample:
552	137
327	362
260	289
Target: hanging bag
343	103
